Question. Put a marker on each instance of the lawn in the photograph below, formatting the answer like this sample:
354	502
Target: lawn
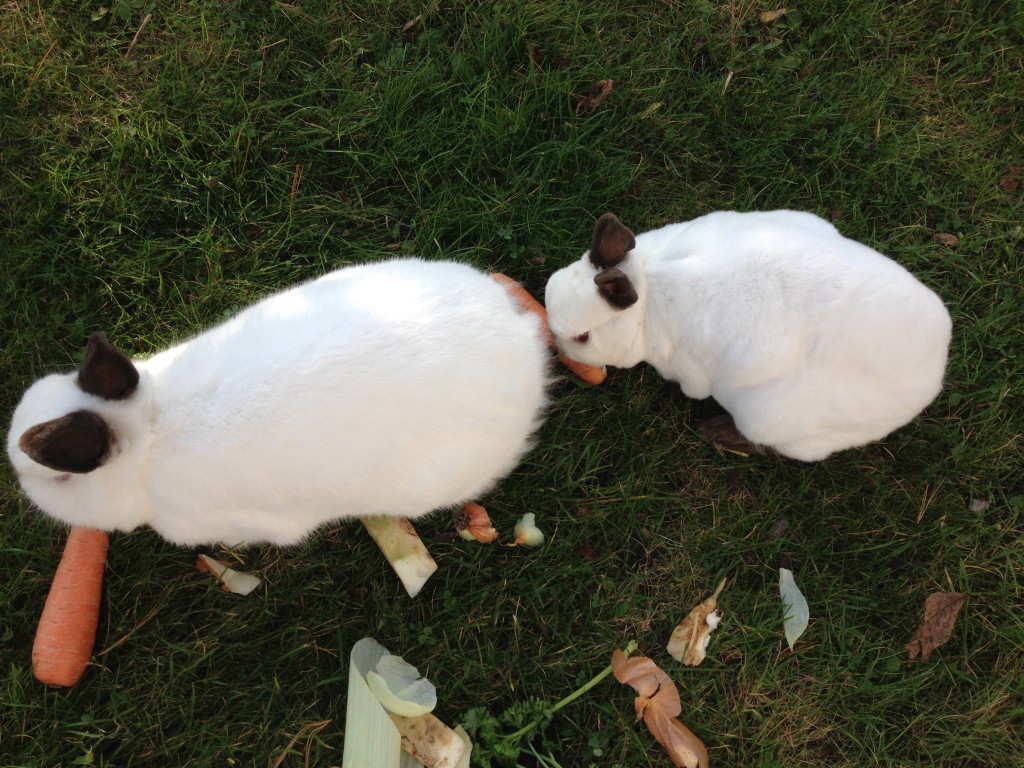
166	164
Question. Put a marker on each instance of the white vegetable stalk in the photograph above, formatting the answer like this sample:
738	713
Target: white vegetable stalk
372	740
379	686
403	548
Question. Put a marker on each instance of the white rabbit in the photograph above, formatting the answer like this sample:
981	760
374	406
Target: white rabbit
393	388
812	342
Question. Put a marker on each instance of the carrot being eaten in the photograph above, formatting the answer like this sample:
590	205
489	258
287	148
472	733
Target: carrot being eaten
67	627
588	373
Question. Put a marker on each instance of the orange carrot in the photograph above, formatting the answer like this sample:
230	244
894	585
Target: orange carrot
588	373
67	626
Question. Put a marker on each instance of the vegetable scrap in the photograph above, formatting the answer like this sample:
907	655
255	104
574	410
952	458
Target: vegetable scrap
403	549
400	688
231	580
474	524
658	705
690	639
376	735
430	741
527	532
468	747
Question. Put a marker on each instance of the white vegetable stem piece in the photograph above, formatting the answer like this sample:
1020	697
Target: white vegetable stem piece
430	741
464	760
233	581
402	547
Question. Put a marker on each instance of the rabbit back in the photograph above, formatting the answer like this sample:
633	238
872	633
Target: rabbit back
813	342
393	388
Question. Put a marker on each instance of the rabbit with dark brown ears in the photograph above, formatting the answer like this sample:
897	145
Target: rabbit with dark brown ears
393	388
811	341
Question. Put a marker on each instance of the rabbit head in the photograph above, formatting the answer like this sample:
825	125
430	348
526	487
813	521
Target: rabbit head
69	427
596	305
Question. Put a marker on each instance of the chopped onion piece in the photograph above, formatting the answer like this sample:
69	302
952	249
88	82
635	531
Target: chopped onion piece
474	524
527	532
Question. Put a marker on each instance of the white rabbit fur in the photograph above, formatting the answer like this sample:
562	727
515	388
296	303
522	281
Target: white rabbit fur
811	341
393	389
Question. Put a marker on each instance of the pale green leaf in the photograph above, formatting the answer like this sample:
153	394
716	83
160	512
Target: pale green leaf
795	606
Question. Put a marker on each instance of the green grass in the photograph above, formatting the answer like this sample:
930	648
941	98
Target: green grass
244	146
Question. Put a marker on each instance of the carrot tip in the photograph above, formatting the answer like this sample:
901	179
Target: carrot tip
588	373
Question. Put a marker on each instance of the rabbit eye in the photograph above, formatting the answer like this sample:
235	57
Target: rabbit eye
583	338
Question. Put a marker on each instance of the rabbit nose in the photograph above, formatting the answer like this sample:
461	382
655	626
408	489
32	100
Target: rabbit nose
583	338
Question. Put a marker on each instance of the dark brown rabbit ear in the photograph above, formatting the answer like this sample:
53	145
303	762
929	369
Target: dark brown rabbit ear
107	372
77	442
616	288
612	242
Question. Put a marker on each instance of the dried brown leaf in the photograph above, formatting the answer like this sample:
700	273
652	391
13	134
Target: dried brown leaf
598	94
940	612
1011	181
779	528
535	56
690	639
769	16
586	551
658	706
